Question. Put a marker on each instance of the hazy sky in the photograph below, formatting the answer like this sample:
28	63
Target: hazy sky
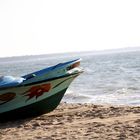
50	26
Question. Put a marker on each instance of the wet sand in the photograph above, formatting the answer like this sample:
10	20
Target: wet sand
77	121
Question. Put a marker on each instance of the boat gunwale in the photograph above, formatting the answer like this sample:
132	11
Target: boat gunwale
42	81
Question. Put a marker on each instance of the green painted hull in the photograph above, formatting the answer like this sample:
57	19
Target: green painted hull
43	106
39	94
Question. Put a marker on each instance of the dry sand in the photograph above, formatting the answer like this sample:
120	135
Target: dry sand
77	121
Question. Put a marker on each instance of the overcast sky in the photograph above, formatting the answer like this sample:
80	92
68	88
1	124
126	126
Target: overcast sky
52	26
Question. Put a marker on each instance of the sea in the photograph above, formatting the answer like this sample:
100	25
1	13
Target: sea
108	78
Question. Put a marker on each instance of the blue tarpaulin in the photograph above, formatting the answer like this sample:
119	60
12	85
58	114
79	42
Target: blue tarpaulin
6	81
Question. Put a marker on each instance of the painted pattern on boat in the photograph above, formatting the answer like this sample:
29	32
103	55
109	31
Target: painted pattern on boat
37	91
6	97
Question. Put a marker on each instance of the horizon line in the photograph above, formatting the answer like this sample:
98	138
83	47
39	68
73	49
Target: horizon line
124	49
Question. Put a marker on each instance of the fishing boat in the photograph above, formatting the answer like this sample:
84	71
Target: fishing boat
38	92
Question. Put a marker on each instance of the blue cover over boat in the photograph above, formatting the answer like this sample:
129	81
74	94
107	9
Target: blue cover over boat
6	81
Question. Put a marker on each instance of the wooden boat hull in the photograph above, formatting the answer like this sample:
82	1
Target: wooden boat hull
39	94
25	103
44	106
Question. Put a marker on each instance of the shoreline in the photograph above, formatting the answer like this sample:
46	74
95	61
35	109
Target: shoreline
77	121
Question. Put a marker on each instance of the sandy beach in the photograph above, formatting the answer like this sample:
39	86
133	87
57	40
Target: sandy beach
77	121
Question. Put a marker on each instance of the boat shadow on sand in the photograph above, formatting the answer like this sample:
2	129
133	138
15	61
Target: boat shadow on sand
14	123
